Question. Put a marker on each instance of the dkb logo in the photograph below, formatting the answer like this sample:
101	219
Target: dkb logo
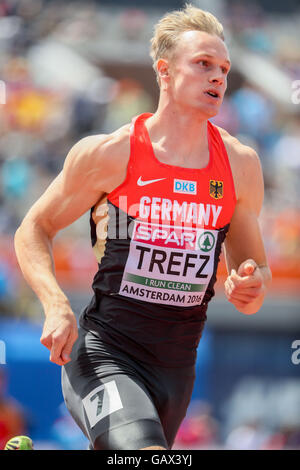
185	187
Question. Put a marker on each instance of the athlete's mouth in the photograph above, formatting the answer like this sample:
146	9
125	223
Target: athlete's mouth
212	93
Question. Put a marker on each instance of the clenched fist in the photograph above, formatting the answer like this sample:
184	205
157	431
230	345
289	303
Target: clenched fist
60	332
245	287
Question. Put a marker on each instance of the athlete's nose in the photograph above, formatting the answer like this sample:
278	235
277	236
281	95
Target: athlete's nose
217	80
217	76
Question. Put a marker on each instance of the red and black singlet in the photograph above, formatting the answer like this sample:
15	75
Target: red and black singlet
157	238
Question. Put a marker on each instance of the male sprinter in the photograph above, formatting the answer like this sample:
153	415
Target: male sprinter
165	192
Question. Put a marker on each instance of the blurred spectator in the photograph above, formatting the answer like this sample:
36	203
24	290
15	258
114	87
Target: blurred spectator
15	178
248	436
199	430
254	111
133	22
7	287
285	438
12	419
66	433
130	100
286	161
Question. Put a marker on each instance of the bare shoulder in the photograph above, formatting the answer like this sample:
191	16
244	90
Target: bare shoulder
114	148
238	151
244	161
101	158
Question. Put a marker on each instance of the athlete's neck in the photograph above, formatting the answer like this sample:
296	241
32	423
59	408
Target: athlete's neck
179	135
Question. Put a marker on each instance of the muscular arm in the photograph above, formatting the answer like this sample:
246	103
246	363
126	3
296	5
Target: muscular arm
69	196
90	169
249	274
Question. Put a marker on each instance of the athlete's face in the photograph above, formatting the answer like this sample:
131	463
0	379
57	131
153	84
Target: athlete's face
199	66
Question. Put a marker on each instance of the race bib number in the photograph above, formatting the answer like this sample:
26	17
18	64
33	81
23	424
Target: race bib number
169	265
101	402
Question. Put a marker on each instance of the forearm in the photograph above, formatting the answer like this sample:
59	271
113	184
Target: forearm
34	253
255	305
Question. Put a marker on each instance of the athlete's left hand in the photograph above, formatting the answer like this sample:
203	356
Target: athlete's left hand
242	288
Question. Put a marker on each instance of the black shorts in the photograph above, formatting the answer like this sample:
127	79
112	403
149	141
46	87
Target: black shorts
121	403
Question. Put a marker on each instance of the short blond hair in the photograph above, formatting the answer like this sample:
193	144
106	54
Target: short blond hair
171	25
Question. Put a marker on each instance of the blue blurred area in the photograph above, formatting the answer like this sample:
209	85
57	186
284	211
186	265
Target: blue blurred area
241	376
202	390
35	382
32	379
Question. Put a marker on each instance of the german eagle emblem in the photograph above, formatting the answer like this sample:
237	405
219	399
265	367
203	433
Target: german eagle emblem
216	189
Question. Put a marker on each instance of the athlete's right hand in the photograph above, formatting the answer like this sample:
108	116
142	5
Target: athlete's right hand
59	333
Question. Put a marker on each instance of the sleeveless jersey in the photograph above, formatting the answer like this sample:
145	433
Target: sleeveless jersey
157	238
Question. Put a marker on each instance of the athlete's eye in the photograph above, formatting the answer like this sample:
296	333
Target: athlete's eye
203	62
225	70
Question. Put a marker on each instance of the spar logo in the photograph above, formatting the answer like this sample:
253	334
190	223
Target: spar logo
185	187
172	237
206	241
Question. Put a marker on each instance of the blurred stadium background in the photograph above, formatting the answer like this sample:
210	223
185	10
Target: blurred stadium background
72	69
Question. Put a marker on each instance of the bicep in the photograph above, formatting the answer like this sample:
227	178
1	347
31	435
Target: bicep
72	193
56	208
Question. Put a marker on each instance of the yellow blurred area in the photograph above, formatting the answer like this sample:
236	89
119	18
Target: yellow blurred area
29	109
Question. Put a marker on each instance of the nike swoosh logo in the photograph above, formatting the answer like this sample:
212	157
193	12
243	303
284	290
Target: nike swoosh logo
143	183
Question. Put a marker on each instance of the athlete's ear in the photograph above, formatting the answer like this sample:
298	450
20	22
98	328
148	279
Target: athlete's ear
163	70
